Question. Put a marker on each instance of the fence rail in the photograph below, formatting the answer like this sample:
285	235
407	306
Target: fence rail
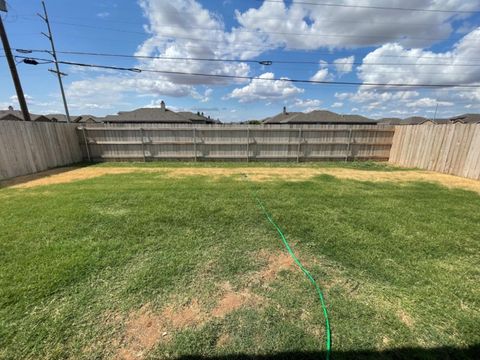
452	149
28	147
129	142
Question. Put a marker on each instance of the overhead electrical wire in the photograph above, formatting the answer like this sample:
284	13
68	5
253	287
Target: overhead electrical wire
259	32
376	7
324	21
261	62
30	60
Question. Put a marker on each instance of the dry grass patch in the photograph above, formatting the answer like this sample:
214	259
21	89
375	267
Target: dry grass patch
276	262
65	175
144	329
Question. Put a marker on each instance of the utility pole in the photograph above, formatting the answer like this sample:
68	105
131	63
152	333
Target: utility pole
54	55
13	67
435	115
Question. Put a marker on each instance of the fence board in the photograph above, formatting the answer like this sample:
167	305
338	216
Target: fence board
452	148
29	147
235	142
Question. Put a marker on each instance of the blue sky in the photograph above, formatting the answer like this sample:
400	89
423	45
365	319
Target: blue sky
348	44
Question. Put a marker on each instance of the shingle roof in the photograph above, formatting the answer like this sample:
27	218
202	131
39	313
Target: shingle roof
317	117
416	120
390	121
280	118
466	118
197	118
147	115
18	116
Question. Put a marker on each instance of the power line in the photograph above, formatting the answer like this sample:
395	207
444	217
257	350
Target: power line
260	32
378	7
225	76
324	21
261	62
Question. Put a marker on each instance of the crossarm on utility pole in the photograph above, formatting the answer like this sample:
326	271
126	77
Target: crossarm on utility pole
54	54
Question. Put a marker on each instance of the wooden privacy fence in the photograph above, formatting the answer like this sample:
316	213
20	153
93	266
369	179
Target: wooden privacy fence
452	149
29	147
148	142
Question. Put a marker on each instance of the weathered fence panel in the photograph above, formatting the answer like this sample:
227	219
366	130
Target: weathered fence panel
149	142
451	148
29	147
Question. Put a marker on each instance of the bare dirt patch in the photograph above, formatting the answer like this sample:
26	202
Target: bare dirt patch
143	330
65	175
187	316
232	301
276	263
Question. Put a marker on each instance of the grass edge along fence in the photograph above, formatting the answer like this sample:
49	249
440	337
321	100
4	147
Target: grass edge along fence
233	142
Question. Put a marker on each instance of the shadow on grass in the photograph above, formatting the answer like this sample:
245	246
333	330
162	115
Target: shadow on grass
42	174
444	353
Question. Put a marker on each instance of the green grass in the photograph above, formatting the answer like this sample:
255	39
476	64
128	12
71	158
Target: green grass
398	263
358	165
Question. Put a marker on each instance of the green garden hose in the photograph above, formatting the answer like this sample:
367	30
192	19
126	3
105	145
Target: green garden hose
305	271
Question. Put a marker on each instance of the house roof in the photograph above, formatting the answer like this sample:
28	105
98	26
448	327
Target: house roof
390	121
11	115
317	117
280	118
18	116
466	118
147	115
416	120
197	117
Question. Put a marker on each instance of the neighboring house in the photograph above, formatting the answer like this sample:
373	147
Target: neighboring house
413	120
318	117
198	118
87	119
147	115
390	121
73	118
466	119
417	120
17	115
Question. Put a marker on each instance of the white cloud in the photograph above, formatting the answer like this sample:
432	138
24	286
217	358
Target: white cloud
428	102
337	105
344	65
265	88
306	26
449	71
307	103
320	75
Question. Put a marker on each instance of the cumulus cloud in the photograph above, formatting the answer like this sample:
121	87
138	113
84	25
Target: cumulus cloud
306	26
428	102
344	65
320	75
337	105
393	58
307	103
265	88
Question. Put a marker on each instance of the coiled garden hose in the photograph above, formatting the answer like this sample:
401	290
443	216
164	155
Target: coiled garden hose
299	264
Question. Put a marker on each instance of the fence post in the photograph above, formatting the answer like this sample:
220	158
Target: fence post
143	144
195	144
248	143
349	144
86	144
299	144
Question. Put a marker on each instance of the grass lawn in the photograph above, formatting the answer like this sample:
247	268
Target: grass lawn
146	266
